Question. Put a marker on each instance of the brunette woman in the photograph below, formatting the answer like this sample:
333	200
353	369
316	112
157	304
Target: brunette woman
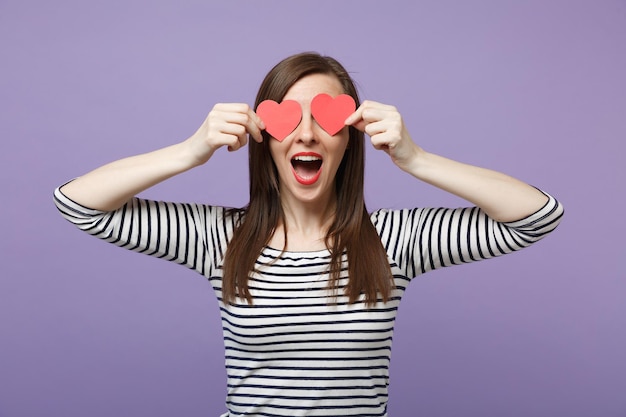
308	280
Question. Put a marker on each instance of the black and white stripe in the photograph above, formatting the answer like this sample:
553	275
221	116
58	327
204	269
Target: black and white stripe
299	350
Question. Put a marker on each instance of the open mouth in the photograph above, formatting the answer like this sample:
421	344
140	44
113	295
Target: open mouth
306	167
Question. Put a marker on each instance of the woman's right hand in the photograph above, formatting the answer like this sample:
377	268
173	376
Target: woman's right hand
227	124
110	186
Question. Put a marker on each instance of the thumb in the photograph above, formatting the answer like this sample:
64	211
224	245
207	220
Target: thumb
355	121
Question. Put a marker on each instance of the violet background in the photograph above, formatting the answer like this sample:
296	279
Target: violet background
536	89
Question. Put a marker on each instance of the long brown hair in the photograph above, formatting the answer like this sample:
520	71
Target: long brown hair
351	232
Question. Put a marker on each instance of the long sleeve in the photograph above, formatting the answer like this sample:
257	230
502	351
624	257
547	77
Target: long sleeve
192	235
423	239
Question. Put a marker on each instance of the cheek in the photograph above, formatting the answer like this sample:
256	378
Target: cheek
274	149
278	158
339	153
342	143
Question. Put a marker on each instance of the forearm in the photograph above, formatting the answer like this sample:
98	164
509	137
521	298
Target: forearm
502	197
110	186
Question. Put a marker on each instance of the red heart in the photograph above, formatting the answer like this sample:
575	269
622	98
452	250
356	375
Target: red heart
280	119
331	113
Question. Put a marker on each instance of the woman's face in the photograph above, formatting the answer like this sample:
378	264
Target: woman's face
308	158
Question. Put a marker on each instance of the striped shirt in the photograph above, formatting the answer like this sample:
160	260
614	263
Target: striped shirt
296	350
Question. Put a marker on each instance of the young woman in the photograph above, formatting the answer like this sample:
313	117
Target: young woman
308	281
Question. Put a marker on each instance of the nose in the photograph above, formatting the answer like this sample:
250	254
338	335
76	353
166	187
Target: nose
306	132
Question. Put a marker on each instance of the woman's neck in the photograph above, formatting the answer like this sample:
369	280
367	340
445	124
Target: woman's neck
307	225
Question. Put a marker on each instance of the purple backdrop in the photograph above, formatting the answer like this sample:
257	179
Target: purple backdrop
535	88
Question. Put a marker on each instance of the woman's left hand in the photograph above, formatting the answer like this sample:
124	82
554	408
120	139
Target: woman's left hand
385	127
502	197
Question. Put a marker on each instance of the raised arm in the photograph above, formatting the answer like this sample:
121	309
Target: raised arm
107	188
502	197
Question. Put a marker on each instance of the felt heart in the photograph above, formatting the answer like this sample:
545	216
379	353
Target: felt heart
280	119
331	113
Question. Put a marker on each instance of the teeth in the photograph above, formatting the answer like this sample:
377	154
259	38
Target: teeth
306	158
